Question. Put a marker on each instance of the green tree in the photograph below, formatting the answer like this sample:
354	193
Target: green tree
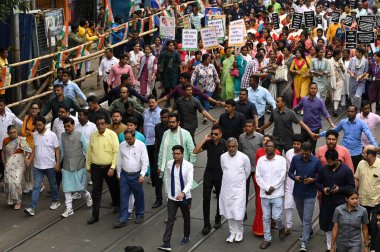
8	6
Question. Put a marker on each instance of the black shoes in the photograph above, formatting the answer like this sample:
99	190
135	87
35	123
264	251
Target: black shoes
217	224
206	229
157	204
92	220
119	224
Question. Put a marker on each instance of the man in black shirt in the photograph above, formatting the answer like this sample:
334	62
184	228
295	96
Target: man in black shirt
215	146
247	108
232	122
236	13
159	130
131	112
94	110
246	7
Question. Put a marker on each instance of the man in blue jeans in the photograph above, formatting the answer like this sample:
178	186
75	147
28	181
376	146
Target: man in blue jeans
303	170
132	164
46	156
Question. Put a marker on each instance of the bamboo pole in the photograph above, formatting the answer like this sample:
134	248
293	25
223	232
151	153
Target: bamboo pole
76	47
29	80
29	99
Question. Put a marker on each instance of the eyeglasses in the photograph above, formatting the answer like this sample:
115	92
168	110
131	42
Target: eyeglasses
214	134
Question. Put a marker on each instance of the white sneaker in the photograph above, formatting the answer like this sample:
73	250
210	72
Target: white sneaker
231	238
67	213
55	205
76	196
29	211
90	182
89	202
239	237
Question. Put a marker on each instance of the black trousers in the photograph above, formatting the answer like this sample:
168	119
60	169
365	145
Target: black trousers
154	172
98	173
283	147
308	138
261	122
247	185
372	226
356	160
209	182
105	88
172	207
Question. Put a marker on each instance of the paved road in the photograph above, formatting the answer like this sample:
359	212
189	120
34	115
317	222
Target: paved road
48	232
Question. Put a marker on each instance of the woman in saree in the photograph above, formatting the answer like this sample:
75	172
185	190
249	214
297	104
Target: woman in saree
242	60
285	89
147	72
134	61
227	79
300	67
15	151
28	127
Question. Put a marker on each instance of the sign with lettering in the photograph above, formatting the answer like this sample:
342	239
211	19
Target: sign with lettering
209	38
351	39
297	20
167	27
364	26
377	21
309	19
335	16
190	39
365	37
218	23
236	35
349	20
276	21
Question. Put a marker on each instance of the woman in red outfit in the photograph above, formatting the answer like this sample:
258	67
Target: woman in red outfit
257	226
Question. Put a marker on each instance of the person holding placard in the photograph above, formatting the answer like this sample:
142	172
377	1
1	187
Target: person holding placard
242	60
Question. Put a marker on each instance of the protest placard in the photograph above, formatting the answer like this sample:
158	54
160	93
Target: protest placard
368	19
218	23
276	21
309	19
209	38
236	35
349	20
190	39
335	16
351	39
365	37
297	20
364	26
167	27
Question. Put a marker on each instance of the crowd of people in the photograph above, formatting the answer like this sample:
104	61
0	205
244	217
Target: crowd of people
285	73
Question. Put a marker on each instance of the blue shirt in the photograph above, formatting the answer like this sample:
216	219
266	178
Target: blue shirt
138	136
261	97
71	90
305	169
118	35
352	135
151	118
312	108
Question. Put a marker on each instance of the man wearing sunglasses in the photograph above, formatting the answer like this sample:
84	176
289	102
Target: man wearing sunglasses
215	146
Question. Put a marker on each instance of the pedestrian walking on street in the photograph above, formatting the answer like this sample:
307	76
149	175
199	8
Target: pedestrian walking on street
73	149
132	164
180	179
236	169
46	157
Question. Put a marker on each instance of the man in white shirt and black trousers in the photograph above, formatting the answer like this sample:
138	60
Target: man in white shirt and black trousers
132	165
179	183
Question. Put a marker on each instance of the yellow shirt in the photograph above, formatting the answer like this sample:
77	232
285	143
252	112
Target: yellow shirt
102	149
331	31
82	32
369	183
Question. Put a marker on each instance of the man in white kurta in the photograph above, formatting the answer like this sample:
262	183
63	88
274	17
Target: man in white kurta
270	176
236	169
289	204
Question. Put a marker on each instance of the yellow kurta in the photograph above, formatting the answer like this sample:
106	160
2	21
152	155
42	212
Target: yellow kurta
4	62
301	83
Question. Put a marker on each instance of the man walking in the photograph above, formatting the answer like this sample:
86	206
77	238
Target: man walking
73	148
232	122
303	170
270	176
283	119
46	157
313	107
215	146
249	142
101	161
236	169
289	204
353	129
180	178
132	164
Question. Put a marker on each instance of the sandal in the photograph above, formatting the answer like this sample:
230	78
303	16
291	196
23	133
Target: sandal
17	206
